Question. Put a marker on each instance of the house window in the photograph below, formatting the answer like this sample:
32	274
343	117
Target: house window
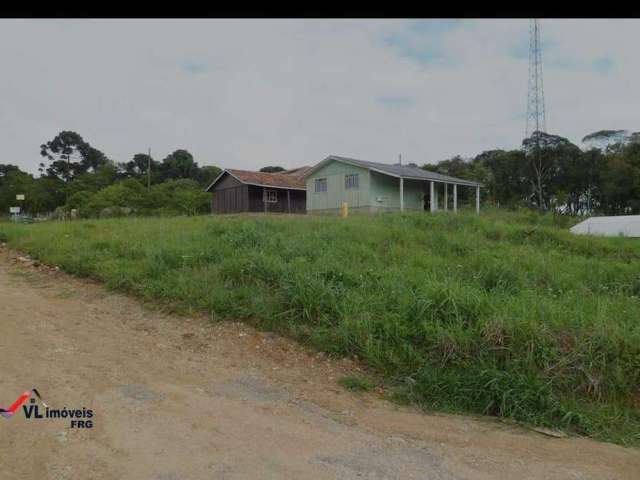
351	180
271	196
321	185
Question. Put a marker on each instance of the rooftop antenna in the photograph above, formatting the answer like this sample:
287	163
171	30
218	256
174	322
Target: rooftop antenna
400	159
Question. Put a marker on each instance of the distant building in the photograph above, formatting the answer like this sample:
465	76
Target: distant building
374	187
237	191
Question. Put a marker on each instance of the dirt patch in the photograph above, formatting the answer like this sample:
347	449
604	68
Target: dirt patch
181	398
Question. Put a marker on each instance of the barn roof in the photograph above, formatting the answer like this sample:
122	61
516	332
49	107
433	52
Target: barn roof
400	171
263	179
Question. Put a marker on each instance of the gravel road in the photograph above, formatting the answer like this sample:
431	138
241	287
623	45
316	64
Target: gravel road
179	398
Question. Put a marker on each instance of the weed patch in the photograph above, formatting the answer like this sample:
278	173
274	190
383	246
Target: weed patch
504	314
356	384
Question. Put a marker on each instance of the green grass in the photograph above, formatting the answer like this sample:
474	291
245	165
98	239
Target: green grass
505	314
356	384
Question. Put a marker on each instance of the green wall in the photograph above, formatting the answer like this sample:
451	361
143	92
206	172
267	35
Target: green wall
334	172
375	191
385	193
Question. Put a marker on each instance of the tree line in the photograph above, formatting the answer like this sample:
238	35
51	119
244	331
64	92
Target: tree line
550	173
74	175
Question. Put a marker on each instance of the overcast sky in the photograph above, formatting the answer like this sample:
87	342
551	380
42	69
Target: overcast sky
250	93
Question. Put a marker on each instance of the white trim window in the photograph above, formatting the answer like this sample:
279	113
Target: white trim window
351	181
320	185
271	196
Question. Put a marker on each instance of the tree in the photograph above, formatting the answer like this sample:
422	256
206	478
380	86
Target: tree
190	199
102	177
179	164
13	181
44	195
126	194
70	156
461	168
138	167
274	169
207	174
504	176
544	152
576	181
618	191
454	167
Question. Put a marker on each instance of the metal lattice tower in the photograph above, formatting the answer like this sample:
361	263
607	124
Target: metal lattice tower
536	116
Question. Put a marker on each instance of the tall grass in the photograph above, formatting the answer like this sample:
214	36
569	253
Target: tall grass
504	314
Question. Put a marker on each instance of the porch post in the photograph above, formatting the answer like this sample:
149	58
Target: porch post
478	200
432	201
264	198
289	201
446	197
455	197
401	194
435	196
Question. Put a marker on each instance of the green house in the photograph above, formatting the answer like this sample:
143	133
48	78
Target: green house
379	187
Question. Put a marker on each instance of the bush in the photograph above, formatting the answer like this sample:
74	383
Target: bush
127	197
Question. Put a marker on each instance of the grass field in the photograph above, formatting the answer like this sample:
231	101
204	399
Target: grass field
505	314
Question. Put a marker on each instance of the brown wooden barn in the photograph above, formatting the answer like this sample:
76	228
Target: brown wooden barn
236	191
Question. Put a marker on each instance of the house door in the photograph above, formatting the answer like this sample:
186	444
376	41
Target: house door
426	201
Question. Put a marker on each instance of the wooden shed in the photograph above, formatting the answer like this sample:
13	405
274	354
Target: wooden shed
237	191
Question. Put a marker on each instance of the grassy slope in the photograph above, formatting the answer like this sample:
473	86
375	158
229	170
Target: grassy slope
503	314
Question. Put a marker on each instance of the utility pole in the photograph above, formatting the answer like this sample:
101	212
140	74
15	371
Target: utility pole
149	170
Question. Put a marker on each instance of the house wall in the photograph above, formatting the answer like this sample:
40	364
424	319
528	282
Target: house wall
297	200
385	193
376	192
336	192
229	196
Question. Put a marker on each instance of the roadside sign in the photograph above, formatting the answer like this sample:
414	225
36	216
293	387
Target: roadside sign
20	197
14	210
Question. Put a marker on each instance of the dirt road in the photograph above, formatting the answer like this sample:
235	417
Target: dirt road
179	398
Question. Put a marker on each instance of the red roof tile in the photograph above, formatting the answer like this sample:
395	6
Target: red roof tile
297	172
280	180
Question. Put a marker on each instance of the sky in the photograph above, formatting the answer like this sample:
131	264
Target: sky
250	93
